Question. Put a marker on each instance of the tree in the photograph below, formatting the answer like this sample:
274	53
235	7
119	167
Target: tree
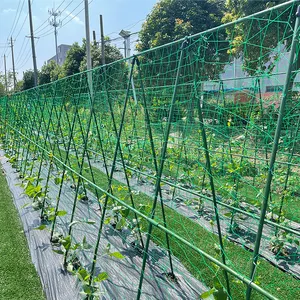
19	86
2	90
262	42
28	80
171	20
9	80
257	54
111	54
206	57
50	72
73	60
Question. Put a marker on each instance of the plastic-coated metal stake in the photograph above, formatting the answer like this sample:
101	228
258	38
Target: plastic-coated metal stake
118	147
287	175
148	124
64	169
274	151
45	140
212	186
160	171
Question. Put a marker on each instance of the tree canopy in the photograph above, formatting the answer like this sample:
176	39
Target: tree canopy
28	80
111	53
171	20
50	72
73	60
2	90
264	36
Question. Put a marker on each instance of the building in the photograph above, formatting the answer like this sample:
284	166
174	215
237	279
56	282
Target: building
235	79
61	53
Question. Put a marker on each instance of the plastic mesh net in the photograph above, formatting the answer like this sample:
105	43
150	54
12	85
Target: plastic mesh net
179	165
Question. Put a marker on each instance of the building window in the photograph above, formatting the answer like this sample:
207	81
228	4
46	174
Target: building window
274	88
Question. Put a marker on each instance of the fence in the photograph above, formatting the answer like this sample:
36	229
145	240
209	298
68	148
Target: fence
154	186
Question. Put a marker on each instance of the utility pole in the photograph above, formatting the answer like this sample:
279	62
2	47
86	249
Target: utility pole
32	46
94	37
102	41
87	33
6	89
55	24
13	62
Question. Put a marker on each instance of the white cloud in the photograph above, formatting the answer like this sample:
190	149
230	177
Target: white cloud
75	18
8	10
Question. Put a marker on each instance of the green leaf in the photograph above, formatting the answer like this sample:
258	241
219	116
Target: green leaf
66	242
25	205
57	180
87	289
107	220
220	295
207	294
117	255
228	215
85	245
42	227
102	276
61	213
58	251
83	274
121	223
217	283
125	212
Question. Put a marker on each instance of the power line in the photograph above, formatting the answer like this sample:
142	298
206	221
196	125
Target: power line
25	61
14	28
39	29
5	50
21	49
25	19
10	33
64	24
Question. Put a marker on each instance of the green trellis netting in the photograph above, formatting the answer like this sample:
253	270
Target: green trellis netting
190	149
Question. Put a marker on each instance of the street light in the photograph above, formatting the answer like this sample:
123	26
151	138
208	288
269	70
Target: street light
125	34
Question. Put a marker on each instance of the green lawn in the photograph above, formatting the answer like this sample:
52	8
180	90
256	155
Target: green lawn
18	277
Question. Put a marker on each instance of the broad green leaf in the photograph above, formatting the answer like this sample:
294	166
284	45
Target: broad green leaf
57	180
228	215
83	274
121	223
117	255
42	227
61	213
208	294
102	276
66	242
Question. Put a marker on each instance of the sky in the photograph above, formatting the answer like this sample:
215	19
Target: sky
14	21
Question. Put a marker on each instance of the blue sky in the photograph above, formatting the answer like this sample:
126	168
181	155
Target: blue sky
117	15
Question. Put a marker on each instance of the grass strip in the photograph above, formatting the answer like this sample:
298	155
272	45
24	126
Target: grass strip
18	277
